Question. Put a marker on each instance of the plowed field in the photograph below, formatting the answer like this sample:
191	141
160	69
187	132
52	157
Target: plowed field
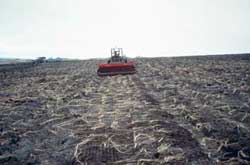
186	110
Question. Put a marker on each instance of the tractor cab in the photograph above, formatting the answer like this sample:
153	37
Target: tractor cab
117	56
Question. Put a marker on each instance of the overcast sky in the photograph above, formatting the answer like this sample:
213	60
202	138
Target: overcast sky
89	28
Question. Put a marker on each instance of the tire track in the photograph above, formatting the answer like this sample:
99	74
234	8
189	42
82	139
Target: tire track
132	127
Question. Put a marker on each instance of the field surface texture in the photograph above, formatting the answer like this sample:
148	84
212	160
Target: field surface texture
187	110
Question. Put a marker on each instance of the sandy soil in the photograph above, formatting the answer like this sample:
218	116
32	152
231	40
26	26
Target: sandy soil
189	110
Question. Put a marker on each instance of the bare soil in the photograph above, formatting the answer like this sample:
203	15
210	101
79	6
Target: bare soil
187	110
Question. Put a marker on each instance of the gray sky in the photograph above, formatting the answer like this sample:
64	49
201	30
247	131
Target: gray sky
89	28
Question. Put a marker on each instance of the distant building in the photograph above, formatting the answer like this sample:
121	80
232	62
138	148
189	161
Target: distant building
40	60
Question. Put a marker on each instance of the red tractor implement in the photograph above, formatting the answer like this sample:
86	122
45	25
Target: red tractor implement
117	64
